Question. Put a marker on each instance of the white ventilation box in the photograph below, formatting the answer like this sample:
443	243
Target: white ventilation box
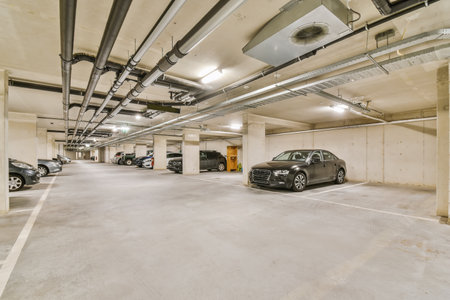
300	27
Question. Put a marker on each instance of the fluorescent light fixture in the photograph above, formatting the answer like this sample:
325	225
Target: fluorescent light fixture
87	145
340	108
124	129
95	140
114	129
236	126
138	117
214	75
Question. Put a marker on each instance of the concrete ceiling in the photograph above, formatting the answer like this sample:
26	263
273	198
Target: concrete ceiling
30	29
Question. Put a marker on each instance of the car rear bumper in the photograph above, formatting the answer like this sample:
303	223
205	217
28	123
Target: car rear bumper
54	169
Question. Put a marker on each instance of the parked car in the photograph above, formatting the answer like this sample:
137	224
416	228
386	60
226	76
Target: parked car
209	160
21	174
63	159
295	169
149	161
117	156
138	161
126	159
46	166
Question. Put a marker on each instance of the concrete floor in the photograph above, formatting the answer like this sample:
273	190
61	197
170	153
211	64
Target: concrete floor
117	232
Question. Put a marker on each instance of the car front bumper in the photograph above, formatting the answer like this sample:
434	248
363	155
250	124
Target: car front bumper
31	177
283	181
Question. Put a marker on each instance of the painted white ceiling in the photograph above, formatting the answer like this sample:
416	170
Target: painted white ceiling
31	46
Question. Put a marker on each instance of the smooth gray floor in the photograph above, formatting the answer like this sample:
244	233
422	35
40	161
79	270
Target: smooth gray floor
117	232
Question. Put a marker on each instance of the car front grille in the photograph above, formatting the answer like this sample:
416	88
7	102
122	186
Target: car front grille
260	175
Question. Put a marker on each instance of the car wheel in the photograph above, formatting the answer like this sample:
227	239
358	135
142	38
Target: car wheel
16	182
340	177
119	162
43	170
128	162
299	182
221	167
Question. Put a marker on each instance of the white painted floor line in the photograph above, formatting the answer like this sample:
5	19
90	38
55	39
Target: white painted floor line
16	211
11	260
372	209
299	195
340	188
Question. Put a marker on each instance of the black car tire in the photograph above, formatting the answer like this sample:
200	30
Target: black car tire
128	162
16	182
340	176
221	167
43	170
299	182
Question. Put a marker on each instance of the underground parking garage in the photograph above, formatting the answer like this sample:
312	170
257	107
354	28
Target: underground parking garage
224	149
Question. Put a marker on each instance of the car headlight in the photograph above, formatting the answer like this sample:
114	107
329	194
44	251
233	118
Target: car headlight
23	165
280	172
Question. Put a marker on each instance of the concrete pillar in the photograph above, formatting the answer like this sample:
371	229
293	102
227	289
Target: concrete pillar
101	154
128	148
50	140
22	141
442	185
140	150
4	199
159	152
253	145
42	143
191	151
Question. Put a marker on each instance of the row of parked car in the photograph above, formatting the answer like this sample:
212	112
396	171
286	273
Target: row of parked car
22	173
145	161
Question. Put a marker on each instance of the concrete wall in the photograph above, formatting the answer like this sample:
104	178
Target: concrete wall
22	141
402	154
42	143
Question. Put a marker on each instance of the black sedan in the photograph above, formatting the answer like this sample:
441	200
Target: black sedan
209	159
295	169
20	174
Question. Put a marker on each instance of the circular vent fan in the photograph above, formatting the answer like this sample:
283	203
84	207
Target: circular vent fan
309	34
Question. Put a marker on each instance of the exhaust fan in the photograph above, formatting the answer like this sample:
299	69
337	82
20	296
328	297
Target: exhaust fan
300	27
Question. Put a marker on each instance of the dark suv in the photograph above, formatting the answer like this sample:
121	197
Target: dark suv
209	159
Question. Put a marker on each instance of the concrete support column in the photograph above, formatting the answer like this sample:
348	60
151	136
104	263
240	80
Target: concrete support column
253	145
50	141
101	155
191	151
443	153
4	199
140	150
128	148
22	141
42	143
159	152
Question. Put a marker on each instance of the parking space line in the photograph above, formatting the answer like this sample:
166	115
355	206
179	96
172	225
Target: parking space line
16	250
296	195
340	188
16	211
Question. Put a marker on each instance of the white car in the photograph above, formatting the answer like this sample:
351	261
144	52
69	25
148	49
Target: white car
148	162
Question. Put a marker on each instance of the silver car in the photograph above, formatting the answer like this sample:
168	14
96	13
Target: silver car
46	166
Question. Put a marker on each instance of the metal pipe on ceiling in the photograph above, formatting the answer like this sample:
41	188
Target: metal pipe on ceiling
67	13
407	60
200	31
116	17
170	12
271	70
357	126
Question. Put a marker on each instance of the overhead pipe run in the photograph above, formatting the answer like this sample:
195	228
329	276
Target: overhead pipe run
201	30
67	13
423	56
170	12
116	17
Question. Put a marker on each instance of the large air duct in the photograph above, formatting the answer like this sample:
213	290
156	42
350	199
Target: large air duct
67	13
116	17
201	30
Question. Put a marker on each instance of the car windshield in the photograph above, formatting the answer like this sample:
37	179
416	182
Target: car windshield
296	155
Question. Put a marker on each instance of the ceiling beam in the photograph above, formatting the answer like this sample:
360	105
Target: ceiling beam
277	121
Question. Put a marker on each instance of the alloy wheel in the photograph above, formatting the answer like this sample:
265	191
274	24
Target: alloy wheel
15	183
340	176
299	182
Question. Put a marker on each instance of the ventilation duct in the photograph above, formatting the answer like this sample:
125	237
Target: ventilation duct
300	27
